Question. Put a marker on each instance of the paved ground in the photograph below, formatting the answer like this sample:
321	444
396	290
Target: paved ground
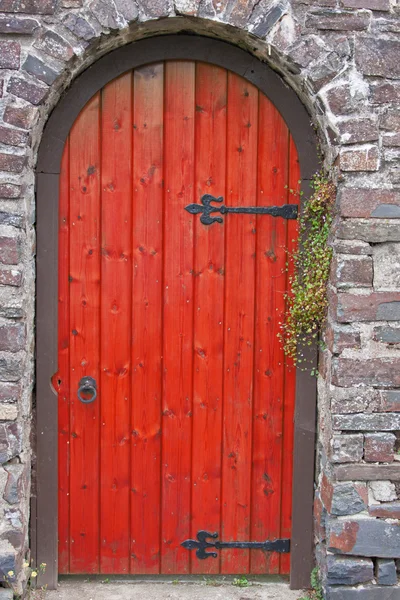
208	590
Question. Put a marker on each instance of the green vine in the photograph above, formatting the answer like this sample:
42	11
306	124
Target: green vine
307	300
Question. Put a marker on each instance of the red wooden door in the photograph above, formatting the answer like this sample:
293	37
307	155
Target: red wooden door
177	322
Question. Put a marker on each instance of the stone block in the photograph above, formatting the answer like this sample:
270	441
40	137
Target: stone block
360	159
353	400
8	412
379	447
338	20
368	472
389	401
356	131
377	306
365	592
13	137
390	120
383	491
6	594
79	27
10	441
106	14
16	483
12	163
381	5
391	140
20	26
387	510
36	67
9	392
374	372
34	7
9	55
347	448
7	218
386	334
366	203
12	337
352	271
375	231
367	422
348	499
364	537
356	247
340	337
11	277
9	250
26	90
11	369
387	266
385	570
20	116
54	45
343	570
378	57
10	191
385	92
130	12
344	98
264	20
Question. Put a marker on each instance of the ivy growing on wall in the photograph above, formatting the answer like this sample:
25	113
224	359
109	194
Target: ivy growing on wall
307	300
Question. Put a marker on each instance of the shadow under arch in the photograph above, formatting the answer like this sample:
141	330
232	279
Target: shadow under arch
44	544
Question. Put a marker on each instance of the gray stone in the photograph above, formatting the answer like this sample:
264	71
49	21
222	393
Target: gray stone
379	447
128	9
79	27
373	592
389	401
15	481
386	572
12	219
387	334
10	441
370	230
346	500
338	20
386	211
6	594
347	447
11	369
387	266
53	44
106	14
367	422
36	67
343	570
17	25
268	20
383	491
364	537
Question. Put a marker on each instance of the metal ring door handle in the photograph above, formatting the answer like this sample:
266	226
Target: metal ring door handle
88	387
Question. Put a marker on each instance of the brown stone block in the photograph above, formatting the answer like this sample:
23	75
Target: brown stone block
350	271
362	159
376	372
385	92
364	537
338	20
12	337
357	131
377	306
13	137
12	163
378	57
379	447
9	250
365	203
9	55
388	510
35	7
383	5
368	472
375	231
27	91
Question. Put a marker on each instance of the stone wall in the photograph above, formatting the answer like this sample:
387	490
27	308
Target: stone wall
343	59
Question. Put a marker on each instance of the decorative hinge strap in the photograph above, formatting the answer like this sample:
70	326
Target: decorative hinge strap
201	545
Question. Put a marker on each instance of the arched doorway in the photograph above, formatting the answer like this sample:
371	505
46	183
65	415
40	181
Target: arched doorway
173	314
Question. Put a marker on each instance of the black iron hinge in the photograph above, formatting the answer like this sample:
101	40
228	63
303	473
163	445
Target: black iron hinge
201	545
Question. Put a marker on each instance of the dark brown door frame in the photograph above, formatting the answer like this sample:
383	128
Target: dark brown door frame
44	507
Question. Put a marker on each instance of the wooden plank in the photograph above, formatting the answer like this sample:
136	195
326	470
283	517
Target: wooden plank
178	314
239	321
269	357
290	370
61	379
208	273
115	353
84	336
147	319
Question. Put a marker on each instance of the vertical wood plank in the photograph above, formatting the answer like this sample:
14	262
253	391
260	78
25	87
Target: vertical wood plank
178	314
61	379
116	273
84	336
147	318
269	358
211	96
290	371
242	119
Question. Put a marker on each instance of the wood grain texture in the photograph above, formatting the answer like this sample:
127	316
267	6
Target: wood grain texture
115	335
147	319
177	321
84	337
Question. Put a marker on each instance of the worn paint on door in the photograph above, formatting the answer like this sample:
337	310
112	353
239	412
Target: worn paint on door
177	321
